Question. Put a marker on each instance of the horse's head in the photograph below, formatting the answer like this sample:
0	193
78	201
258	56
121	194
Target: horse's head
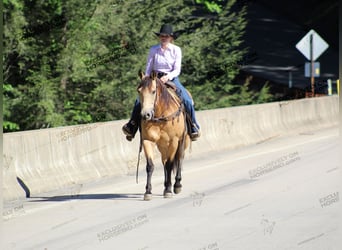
147	90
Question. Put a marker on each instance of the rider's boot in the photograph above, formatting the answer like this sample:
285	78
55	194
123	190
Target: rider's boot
132	126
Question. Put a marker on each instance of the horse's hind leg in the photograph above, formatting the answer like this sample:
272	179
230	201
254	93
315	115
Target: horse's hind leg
177	188
167	181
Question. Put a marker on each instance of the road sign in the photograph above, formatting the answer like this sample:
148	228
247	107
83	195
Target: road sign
307	69
319	45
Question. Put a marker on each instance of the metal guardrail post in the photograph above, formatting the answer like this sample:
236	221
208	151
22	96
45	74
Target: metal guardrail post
329	86
338	86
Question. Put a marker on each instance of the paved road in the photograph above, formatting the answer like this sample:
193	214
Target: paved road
280	194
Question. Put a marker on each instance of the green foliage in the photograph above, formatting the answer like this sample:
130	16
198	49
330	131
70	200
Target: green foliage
11	96
74	62
212	6
245	96
264	95
212	62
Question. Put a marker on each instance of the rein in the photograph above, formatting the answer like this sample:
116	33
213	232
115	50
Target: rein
138	163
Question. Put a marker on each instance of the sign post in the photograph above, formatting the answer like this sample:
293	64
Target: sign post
312	66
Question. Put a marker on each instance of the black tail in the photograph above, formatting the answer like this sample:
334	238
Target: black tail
180	153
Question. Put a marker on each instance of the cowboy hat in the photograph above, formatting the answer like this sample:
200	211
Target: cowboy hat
166	29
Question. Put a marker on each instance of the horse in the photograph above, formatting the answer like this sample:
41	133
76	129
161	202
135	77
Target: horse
163	125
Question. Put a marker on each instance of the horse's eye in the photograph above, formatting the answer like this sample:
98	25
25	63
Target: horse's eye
153	92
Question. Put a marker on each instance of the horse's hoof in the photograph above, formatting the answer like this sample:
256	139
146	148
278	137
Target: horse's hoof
167	195
177	190
147	197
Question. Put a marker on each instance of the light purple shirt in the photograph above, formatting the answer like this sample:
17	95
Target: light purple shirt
167	61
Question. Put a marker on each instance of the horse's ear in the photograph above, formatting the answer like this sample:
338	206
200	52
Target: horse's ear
141	74
153	75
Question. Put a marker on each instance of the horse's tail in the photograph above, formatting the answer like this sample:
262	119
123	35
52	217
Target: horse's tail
180	153
179	156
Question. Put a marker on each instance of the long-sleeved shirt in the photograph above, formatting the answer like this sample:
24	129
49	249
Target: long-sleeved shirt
167	61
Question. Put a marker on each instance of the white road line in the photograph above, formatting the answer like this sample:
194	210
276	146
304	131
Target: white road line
258	154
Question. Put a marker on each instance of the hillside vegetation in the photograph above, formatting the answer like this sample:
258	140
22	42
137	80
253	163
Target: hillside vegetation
75	62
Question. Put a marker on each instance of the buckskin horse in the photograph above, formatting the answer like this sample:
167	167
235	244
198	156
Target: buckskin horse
163	124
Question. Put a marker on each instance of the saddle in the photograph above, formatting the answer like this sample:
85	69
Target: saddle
172	85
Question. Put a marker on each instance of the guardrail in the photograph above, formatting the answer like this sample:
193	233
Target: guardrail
50	159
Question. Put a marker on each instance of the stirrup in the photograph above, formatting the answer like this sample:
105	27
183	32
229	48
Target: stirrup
194	136
129	138
194	133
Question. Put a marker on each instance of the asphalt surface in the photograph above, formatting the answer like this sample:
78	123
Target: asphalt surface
280	194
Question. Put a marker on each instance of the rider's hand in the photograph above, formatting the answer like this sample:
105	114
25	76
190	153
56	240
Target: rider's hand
164	79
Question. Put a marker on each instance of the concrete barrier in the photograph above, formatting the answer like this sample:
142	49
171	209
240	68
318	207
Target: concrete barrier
244	125
51	159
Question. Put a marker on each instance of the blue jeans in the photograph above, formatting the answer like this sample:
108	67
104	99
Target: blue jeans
185	97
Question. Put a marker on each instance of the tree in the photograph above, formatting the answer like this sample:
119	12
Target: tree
212	56
212	6
74	62
29	54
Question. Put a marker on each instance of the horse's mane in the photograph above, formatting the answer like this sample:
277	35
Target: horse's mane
164	92
165	95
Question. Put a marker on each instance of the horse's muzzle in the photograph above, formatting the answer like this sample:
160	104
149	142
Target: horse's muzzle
147	115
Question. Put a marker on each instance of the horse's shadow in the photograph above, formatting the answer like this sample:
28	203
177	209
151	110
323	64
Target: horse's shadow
60	198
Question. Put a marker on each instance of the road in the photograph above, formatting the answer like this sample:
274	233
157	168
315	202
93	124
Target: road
279	194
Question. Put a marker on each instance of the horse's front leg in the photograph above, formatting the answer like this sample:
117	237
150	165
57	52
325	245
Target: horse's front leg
168	166
149	171
148	148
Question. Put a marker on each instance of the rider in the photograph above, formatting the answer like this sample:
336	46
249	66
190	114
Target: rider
165	58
